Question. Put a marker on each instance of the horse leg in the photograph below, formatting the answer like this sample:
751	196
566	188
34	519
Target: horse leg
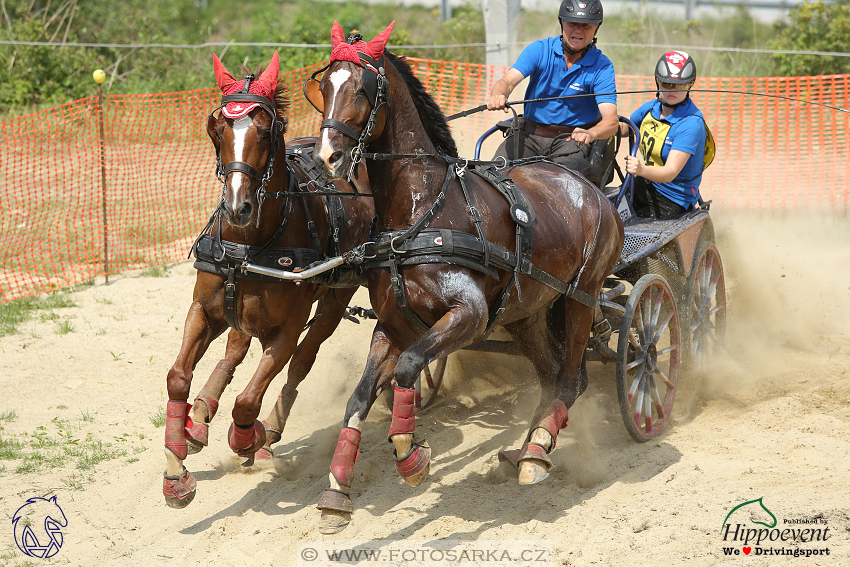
179	485
247	435
206	402
462	326
334	304
552	413
335	503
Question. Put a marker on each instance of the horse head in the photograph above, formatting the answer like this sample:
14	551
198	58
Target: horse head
352	96
247	135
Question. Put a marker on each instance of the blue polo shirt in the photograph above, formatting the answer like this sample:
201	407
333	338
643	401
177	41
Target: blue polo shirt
687	134
543	62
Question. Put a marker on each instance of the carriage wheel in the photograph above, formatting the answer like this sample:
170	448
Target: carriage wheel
427	386
706	300
648	357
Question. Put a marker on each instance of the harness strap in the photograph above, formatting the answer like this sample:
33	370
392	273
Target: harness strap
244	168
311	228
401	297
337	125
230	314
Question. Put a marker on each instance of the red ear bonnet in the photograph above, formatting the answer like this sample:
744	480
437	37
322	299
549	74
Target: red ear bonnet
348	52
264	86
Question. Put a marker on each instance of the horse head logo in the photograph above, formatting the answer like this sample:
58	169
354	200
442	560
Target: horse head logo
37	526
747	503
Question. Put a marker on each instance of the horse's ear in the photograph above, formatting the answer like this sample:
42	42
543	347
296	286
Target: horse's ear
269	76
211	122
222	75
337	35
377	45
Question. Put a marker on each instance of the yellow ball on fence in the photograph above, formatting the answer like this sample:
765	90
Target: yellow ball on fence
99	76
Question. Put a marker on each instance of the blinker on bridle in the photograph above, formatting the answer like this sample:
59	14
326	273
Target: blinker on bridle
221	173
375	84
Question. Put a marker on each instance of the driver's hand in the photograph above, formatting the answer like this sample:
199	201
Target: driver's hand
582	136
634	165
497	102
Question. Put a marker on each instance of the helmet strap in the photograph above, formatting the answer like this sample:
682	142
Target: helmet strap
582	51
673	106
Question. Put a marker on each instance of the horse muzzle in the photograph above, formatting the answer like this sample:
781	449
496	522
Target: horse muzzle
241	215
333	164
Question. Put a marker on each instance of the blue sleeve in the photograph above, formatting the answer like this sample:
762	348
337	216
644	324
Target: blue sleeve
639	114
529	60
690	136
605	81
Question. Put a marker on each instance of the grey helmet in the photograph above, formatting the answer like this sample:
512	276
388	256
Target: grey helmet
676	67
581	11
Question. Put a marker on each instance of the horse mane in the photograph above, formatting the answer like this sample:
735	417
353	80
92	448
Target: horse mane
281	96
432	117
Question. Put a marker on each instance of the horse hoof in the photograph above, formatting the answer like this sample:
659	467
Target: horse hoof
414	466
532	471
193	447
417	479
334	521
264	454
179	491
197	437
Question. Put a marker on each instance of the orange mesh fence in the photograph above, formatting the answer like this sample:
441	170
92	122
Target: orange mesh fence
60	223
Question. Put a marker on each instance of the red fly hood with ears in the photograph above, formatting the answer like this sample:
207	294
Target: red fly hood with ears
348	52
264	85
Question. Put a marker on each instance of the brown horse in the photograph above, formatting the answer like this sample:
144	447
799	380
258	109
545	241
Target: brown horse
434	215
263	219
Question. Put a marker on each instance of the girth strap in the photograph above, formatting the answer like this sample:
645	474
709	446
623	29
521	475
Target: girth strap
230	313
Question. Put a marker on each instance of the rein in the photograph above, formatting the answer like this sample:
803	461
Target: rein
483	107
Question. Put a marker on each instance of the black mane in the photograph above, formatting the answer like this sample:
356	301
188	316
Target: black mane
432	117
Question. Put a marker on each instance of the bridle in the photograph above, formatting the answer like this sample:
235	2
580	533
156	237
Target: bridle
375	84
221	172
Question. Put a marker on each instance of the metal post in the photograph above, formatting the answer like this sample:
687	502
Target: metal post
690	9
445	11
102	144
500	19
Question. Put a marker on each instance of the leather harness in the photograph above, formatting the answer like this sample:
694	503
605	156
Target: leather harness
422	245
226	259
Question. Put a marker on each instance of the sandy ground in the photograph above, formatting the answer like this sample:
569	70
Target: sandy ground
769	422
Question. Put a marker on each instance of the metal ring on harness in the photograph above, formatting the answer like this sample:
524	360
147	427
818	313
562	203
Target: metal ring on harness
392	245
460	170
504	162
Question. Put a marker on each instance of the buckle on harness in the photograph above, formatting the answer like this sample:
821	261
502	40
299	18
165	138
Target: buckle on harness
603	329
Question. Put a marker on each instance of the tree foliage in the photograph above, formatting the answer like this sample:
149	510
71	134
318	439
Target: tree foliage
814	27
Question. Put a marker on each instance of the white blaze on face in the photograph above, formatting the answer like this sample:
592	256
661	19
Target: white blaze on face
240	130
337	79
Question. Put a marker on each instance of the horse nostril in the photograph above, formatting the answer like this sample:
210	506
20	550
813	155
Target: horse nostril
245	210
335	157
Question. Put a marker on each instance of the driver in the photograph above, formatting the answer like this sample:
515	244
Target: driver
675	143
570	64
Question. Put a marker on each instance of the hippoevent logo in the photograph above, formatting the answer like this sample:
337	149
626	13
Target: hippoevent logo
797	537
37	526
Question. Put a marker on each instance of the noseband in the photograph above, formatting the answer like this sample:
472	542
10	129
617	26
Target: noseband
221	172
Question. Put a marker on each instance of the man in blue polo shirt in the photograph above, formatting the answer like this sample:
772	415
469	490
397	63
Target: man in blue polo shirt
563	130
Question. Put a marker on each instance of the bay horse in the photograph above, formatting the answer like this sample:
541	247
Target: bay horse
449	260
263	219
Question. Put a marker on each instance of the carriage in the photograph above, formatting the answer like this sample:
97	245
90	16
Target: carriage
670	321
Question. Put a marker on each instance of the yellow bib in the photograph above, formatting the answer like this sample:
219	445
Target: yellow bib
652	135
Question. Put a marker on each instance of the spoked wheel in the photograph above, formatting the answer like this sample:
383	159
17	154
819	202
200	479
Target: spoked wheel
648	357
427	386
706	299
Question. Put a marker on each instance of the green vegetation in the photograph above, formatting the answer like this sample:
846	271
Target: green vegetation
814	27
13	313
41	76
61	445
